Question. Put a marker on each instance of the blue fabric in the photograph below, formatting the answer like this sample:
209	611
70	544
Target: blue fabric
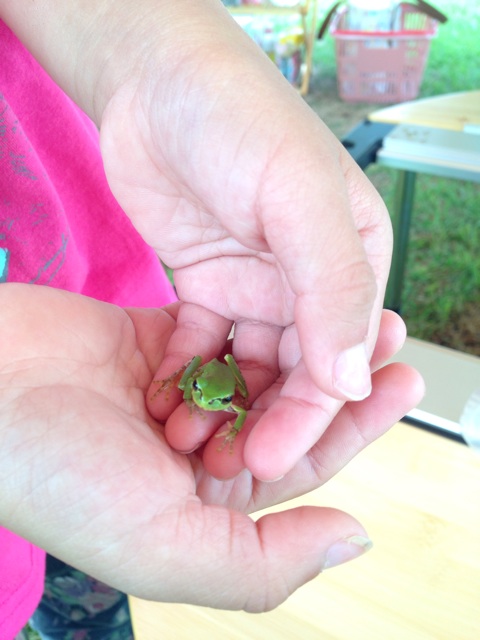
75	606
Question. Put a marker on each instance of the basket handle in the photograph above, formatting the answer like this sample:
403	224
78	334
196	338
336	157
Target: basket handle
326	21
431	11
422	5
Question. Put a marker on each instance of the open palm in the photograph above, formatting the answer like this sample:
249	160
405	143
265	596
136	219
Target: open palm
87	473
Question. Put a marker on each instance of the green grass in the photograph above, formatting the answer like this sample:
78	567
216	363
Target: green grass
443	269
441	300
454	61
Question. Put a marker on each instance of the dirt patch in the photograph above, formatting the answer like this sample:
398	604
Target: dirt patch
339	116
462	331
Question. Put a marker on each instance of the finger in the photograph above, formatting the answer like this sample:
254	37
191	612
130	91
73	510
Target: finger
391	338
230	463
223	559
290	427
397	388
283	436
153	330
222	460
189	427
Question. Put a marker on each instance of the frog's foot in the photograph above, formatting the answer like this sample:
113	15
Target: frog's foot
195	409
229	436
165	385
168	383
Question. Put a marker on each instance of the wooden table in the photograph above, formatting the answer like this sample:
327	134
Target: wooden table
418	495
451	111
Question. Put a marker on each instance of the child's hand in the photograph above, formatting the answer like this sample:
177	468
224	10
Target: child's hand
87	474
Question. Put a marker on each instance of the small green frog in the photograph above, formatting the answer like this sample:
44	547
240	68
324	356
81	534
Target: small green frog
212	387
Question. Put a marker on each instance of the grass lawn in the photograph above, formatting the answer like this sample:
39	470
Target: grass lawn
442	287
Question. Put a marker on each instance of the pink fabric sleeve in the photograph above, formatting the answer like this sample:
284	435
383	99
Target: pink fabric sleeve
60	224
21	582
61	227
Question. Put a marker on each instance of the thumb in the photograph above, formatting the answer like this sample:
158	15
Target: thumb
322	538
241	564
337	330
338	269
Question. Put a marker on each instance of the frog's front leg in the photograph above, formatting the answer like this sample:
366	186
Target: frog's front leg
178	377
234	429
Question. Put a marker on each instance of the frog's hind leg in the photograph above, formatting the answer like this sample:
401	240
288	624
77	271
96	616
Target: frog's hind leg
232	432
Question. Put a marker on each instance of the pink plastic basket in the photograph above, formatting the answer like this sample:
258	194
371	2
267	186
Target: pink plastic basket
383	66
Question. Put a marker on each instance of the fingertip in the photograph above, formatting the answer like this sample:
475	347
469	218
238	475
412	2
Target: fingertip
410	379
391	338
416	382
392	321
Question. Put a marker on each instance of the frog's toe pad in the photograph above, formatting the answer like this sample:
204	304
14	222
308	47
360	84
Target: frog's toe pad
229	436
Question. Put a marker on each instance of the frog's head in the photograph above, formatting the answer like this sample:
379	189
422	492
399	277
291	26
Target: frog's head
211	395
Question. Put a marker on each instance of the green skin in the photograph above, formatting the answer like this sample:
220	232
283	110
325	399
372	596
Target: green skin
212	387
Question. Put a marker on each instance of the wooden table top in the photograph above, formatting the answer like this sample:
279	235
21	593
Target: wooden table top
452	111
418	495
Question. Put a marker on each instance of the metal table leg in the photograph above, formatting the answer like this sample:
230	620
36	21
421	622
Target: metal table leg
402	214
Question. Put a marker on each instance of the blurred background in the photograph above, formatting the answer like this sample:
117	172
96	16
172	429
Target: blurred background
441	296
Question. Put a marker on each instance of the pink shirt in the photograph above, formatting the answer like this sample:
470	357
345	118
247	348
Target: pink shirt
59	226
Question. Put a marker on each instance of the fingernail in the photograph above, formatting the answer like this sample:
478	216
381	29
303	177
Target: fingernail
351	373
346	550
277	479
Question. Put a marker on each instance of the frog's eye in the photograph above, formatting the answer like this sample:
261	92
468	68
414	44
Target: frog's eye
227	400
196	387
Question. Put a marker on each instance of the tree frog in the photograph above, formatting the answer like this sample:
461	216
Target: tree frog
214	386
